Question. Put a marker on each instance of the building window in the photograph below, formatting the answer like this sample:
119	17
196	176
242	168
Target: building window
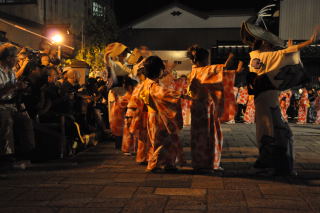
18	1
98	9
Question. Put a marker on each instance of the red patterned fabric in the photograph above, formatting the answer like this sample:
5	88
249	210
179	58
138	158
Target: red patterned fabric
206	87
249	115
303	107
167	81
317	108
137	117
181	85
163	123
242	96
230	108
284	102
117	114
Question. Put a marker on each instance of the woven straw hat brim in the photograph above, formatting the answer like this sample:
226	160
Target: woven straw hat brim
259	34
115	49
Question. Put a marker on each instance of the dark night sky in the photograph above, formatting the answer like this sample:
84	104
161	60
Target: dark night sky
127	11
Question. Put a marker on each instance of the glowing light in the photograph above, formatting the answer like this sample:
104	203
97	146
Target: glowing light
57	38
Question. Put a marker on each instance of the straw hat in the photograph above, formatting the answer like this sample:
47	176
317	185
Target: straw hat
134	56
115	49
250	32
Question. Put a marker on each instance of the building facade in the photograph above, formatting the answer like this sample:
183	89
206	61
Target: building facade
176	27
172	29
45	16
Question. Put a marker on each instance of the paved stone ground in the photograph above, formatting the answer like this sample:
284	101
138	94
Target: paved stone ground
103	180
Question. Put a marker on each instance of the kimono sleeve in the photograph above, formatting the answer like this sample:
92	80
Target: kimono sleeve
134	112
212	74
167	103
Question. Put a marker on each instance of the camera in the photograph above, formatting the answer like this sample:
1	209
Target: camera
34	61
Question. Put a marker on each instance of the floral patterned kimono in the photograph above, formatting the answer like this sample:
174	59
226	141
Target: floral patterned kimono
182	87
163	124
242	99
276	70
205	88
242	96
303	107
317	108
230	107
168	81
117	103
249	115
284	100
137	117
129	142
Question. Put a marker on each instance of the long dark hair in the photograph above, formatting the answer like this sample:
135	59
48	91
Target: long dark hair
197	54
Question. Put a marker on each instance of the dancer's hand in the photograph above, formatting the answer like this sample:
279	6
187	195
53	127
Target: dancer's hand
312	39
240	66
315	34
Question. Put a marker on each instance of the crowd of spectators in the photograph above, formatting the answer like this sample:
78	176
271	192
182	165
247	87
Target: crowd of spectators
44	112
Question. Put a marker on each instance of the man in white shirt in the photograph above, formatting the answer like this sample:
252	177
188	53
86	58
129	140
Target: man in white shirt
116	55
8	58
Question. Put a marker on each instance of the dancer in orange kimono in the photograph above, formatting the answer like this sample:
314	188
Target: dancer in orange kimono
129	144
230	106
182	87
284	100
206	91
242	99
317	107
164	121
242	96
303	107
168	81
117	113
137	116
249	115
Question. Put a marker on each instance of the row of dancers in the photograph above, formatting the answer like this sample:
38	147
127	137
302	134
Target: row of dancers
146	118
302	103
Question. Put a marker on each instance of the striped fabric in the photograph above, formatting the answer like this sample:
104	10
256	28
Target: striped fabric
6	77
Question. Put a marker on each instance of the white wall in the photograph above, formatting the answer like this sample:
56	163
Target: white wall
189	20
298	18
176	55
